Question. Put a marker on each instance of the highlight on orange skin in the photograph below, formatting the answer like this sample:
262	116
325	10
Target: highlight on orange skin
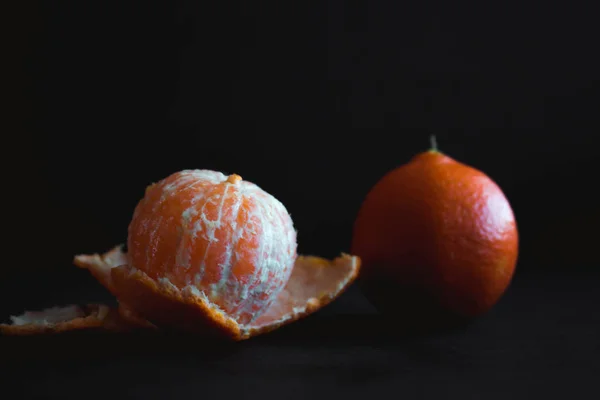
227	237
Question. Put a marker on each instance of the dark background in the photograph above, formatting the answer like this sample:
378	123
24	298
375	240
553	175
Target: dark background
315	102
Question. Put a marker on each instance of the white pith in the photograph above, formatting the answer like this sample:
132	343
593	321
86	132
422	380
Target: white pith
49	316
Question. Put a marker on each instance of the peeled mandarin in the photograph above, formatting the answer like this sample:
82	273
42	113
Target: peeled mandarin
207	253
222	235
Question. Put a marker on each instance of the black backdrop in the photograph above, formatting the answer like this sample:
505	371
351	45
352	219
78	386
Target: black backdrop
313	102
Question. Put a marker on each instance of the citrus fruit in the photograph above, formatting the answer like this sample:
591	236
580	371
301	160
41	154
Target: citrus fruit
436	238
221	235
214	254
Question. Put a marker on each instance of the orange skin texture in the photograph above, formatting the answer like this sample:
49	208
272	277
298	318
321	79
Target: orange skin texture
439	231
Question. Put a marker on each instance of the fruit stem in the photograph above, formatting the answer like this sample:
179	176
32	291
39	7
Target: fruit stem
233	179
433	142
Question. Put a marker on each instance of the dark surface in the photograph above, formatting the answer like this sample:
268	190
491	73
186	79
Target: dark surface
541	341
313	102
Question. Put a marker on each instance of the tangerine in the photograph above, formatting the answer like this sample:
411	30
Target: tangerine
436	237
223	235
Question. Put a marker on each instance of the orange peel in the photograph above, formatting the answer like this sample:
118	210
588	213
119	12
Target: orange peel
100	265
72	318
314	283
